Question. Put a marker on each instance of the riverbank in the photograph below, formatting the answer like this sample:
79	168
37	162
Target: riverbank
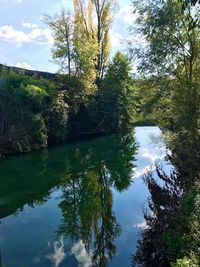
81	137
37	111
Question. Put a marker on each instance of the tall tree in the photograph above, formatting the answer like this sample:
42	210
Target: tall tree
171	56
84	39
85	45
97	34
119	93
104	10
62	28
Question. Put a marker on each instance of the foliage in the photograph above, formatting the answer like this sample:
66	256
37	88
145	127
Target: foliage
83	39
170	61
83	102
186	262
118	96
26	104
36	112
57	117
62	28
24	127
191	207
169	95
173	232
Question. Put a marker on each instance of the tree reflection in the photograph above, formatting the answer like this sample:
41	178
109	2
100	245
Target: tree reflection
87	193
25	180
86	173
165	237
161	220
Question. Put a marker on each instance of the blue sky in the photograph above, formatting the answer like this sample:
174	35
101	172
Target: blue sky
25	41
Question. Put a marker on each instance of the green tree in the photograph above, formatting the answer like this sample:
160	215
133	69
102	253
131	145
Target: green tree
24	127
83	39
104	10
56	118
62	28
85	45
94	35
33	113
170	59
119	93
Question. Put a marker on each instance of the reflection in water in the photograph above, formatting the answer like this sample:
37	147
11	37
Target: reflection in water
83	257
87	196
166	235
84	174
1	265
59	254
161	219
26	180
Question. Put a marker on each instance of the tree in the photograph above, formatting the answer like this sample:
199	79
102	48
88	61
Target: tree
56	118
104	12
62	28
98	33
118	93
84	39
85	45
171	56
23	101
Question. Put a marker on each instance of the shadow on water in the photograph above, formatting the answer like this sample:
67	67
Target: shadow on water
85	174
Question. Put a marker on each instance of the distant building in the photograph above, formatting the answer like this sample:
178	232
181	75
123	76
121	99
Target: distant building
39	74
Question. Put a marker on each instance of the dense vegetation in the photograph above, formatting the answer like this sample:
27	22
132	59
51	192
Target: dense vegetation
169	94
36	112
92	95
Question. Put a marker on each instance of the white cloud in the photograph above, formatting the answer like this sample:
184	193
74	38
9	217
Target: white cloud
84	259
9	33
36	35
24	65
41	36
59	255
126	15
29	25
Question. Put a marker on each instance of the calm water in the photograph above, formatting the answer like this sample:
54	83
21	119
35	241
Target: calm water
78	204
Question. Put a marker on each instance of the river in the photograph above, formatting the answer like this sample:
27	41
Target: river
78	204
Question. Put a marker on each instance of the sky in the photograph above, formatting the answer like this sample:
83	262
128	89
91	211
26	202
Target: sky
26	41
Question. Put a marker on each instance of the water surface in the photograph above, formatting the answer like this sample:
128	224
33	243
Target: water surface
78	204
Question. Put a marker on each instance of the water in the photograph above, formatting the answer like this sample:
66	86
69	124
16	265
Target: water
78	204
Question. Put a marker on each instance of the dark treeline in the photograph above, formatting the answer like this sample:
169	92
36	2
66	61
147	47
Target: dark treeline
170	96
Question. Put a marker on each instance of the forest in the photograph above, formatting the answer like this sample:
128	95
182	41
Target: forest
96	93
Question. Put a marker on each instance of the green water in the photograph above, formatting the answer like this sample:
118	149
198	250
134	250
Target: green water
77	204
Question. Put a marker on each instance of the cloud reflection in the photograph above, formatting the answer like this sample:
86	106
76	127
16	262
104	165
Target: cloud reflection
84	259
142	225
59	254
152	156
